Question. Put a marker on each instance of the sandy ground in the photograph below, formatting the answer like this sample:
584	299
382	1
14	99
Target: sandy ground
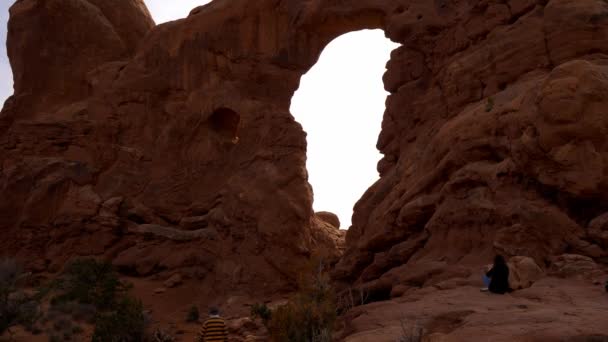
551	310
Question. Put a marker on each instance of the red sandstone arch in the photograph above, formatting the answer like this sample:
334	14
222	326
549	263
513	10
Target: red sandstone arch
118	128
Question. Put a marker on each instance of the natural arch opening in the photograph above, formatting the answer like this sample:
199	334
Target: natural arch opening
340	104
225	122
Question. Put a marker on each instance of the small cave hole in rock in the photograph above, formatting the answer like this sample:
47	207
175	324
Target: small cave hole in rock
340	104
225	122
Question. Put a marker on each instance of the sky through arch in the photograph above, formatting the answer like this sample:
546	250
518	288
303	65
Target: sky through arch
340	104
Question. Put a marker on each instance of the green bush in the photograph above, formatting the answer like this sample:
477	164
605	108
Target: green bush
35	330
16	308
91	291
79	312
193	314
86	290
87	281
62	324
161	336
28	313
262	311
309	316
125	323
352	297
76	330
55	338
490	104
413	333
9	273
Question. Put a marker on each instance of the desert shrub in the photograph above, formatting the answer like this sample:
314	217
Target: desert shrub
28	313
41	293
193	314
9	273
79	312
55	338
77	330
309	316
62	324
262	311
352	297
87	281
413	333
91	291
51	315
161	336
16	308
84	312
87	290
58	307
302	322
35	330
490	104
125	323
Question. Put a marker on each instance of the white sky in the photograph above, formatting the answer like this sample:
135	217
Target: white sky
340	104
164	10
6	77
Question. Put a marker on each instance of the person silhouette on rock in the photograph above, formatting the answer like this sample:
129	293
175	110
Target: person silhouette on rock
497	278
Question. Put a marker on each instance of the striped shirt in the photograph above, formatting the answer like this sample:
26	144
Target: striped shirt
214	330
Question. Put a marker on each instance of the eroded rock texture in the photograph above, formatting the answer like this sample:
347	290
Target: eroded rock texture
172	147
494	140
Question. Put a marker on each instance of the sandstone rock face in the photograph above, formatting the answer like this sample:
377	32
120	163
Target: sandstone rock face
120	136
52	45
574	265
493	139
328	241
598	230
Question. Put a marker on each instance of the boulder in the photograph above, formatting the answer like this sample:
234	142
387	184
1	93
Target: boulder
523	272
574	265
328	217
328	241
173	281
109	212
598	230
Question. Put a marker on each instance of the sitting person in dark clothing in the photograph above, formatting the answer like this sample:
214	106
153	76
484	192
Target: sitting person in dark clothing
497	279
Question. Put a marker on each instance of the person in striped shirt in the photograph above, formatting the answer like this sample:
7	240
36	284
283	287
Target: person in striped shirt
214	329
